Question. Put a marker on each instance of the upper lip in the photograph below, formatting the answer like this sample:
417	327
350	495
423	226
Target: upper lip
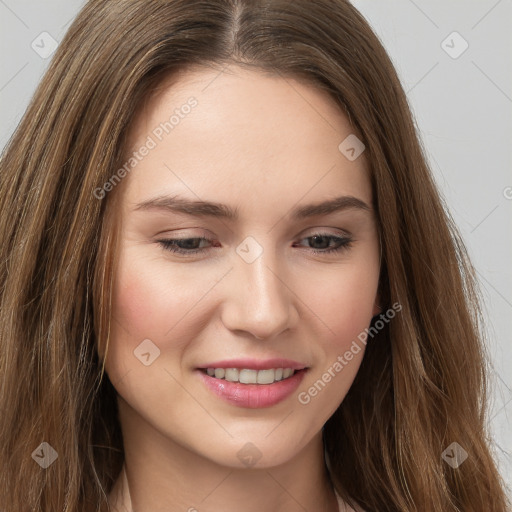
256	364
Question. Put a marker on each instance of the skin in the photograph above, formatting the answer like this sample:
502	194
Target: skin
263	145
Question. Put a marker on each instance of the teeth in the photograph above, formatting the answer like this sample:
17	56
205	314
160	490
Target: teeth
287	373
231	374
246	376
266	376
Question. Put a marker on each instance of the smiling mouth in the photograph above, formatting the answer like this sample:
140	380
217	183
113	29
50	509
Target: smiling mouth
249	376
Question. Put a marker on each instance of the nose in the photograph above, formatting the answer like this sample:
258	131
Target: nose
259	300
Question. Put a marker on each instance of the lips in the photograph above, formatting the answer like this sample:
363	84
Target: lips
255	364
252	396
251	383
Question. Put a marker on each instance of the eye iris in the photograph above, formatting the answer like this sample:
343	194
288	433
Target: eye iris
317	238
189	243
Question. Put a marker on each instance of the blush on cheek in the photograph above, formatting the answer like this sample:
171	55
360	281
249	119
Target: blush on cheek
345	307
146	304
133	306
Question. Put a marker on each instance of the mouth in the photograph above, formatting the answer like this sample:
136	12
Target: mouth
252	388
250	376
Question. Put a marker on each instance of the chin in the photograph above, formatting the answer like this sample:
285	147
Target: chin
260	451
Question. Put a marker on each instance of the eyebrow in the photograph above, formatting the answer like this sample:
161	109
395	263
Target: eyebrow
199	208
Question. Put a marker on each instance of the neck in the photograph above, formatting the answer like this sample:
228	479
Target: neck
158	472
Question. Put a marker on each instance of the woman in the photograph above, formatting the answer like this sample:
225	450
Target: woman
184	341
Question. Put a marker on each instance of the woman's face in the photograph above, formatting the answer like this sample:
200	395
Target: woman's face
233	168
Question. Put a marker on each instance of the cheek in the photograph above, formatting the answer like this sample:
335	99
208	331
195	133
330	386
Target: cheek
147	300
344	306
152	300
344	303
138	313
133	306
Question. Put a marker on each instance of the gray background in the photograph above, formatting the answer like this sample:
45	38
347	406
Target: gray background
463	110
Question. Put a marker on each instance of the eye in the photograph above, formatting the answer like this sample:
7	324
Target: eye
183	245
189	246
340	243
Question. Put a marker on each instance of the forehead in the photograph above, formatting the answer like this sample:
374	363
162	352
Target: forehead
247	133
234	97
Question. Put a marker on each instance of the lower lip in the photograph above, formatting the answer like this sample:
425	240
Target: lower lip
253	396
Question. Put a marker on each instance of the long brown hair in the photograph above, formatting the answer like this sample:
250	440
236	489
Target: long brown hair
423	381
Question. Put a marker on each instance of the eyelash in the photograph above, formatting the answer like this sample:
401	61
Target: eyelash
170	244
